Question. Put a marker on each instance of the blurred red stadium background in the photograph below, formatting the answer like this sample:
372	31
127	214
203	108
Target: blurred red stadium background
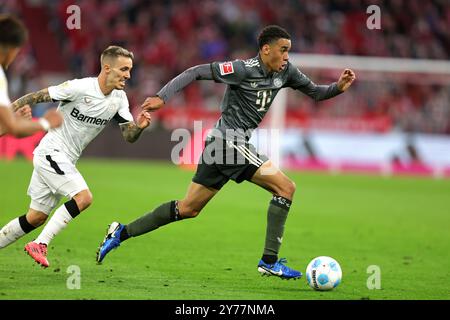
169	36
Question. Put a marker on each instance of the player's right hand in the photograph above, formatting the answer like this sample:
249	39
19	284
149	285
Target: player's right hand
152	104
24	112
53	117
144	119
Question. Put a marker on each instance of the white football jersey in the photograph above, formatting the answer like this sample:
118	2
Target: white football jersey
4	97
86	112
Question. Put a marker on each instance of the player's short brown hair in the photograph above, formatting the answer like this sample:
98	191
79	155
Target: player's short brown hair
13	32
114	52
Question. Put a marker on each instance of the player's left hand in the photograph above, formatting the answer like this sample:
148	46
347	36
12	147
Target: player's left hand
346	79
24	112
152	103
144	119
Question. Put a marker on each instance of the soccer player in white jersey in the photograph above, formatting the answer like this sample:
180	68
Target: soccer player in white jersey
87	105
13	35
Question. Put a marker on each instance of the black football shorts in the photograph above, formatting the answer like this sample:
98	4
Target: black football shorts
222	160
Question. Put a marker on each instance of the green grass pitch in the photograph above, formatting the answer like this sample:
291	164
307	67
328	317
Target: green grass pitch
400	225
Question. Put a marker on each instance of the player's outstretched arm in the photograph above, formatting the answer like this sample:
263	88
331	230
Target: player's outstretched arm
32	99
321	92
131	131
200	72
20	127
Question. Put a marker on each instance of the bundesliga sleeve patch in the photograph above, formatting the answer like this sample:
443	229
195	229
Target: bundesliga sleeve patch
226	68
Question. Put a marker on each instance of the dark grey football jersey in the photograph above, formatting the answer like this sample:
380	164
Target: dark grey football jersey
251	90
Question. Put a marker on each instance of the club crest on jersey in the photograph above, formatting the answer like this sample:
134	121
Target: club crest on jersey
87	100
277	82
226	68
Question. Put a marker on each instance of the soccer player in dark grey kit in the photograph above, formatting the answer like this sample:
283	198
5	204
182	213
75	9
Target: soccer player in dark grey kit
251	87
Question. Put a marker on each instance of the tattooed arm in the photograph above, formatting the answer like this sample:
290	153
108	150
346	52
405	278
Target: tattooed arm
131	131
32	99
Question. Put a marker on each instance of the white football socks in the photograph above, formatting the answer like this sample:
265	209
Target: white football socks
55	225
10	233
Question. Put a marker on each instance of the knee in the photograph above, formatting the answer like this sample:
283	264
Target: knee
86	201
36	218
186	210
288	189
83	199
292	187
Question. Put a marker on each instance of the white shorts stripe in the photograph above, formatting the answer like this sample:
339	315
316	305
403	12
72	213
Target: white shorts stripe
245	156
250	156
251	153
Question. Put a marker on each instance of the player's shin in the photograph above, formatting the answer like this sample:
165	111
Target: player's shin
162	215
14	230
62	216
276	219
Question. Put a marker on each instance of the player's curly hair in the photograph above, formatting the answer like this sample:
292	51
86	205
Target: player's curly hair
270	34
13	32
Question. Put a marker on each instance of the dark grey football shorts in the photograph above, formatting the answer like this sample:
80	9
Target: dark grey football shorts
222	160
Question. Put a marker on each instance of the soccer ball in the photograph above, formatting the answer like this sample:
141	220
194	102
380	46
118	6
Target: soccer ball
323	273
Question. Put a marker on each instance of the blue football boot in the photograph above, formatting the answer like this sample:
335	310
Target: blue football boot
278	269
111	241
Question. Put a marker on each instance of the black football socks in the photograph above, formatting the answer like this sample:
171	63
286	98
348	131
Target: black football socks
162	215
276	219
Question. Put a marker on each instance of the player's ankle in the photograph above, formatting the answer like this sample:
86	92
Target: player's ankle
124	235
269	259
